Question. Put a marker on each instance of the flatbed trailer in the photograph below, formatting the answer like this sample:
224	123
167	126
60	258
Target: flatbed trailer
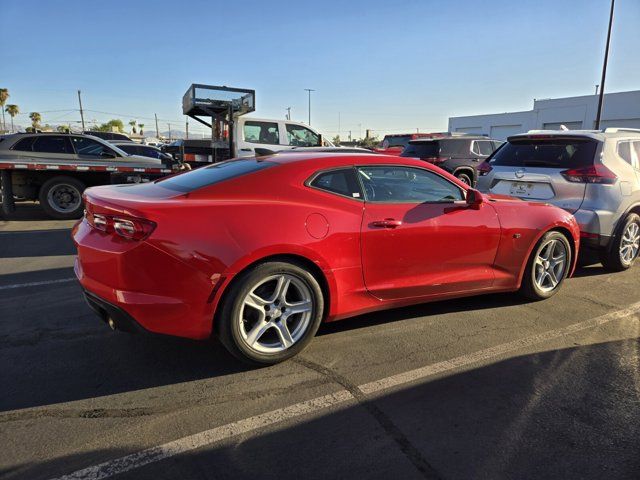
42	179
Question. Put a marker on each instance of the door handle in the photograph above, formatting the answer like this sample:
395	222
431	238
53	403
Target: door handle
245	149
387	223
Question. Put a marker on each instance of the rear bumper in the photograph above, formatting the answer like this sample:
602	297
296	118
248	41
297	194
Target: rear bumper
109	312
595	227
142	288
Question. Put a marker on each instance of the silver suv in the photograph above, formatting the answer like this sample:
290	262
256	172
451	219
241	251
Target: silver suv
594	175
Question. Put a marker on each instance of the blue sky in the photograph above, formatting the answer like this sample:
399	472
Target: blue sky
388	66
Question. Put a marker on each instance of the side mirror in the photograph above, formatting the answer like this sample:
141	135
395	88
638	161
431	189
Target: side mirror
474	198
320	141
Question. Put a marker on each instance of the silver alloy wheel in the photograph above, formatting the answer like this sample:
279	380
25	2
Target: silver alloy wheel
64	198
276	313
551	265
630	243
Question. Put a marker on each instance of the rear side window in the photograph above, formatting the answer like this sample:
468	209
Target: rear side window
52	144
342	182
261	132
624	150
546	153
130	149
219	172
24	145
484	147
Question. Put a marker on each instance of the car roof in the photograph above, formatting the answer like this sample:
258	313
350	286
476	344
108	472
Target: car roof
320	160
452	137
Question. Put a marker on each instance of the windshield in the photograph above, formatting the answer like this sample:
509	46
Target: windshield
549	153
213	174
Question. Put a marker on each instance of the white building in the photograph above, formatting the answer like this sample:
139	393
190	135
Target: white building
620	109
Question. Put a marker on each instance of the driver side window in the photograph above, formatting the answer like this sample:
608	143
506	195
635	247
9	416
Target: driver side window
299	136
397	184
88	147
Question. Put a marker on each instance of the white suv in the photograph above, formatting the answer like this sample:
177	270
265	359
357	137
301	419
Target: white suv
594	175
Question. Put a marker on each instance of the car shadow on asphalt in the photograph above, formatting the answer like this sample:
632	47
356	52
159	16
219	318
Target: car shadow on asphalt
561	413
36	243
71	355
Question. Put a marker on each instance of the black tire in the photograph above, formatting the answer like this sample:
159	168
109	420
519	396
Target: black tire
612	258
529	287
227	321
465	177
66	187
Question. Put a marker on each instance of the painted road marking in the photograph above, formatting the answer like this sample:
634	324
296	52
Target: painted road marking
37	284
217	434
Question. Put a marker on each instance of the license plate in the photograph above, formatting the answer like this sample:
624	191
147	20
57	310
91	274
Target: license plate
521	189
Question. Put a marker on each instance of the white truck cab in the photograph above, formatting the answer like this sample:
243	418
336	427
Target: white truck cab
251	133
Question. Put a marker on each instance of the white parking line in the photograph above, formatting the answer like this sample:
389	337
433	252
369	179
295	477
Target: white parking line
214	435
36	284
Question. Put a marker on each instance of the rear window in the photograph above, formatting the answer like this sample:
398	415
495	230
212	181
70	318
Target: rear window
213	174
547	153
422	150
399	141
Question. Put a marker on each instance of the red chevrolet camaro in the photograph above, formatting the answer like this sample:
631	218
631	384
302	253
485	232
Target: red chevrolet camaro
260	251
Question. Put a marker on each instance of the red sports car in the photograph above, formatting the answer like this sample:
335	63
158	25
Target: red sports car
260	251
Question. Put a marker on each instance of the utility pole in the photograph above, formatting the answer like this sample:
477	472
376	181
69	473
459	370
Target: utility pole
309	90
187	132
169	125
604	69
349	135
157	129
597	89
81	111
288	109
338	124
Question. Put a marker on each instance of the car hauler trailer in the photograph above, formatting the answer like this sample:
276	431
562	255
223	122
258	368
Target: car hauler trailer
56	168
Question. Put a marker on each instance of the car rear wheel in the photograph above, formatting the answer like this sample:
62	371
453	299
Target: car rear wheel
465	178
548	266
625	247
270	313
61	197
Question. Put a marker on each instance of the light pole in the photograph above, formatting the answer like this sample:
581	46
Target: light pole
309	90
604	69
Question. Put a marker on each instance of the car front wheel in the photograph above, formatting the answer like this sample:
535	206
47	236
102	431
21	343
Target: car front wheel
270	313
548	266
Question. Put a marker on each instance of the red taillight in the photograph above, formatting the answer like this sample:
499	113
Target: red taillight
133	228
484	168
597	173
127	227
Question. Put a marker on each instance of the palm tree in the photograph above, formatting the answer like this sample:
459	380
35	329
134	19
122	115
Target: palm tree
141	125
133	126
4	96
35	119
12	110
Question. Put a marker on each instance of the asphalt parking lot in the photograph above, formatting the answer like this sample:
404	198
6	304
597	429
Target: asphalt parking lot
486	387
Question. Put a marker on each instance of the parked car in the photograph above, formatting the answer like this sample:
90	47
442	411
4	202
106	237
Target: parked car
150	151
594	175
55	168
394	144
459	155
268	248
109	136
